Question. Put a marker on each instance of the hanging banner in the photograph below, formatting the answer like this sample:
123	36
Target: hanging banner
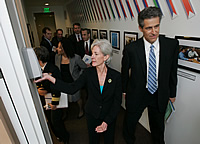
145	3
103	10
157	5
171	8
95	9
99	10
107	9
119	16
136	5
92	9
111	9
123	10
188	8
87	10
129	8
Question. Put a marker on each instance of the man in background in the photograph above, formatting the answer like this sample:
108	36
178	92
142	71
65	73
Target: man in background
57	38
46	42
84	46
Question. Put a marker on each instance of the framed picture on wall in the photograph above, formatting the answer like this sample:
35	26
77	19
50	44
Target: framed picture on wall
115	39
103	34
130	37
94	34
189	53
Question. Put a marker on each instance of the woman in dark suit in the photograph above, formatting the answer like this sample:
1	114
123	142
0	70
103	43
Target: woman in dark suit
71	66
104	92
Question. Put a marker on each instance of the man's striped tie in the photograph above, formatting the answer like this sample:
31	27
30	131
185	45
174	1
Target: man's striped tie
152	82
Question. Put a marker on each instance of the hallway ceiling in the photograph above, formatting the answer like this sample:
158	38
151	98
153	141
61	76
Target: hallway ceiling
42	2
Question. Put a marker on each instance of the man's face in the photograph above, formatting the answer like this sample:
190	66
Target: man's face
85	35
59	34
48	34
77	29
151	29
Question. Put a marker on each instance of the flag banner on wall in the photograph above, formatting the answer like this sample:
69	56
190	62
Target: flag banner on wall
99	10
89	9
145	3
156	3
92	9
129	8
171	8
96	10
107	9
123	10
103	10
111	9
136	5
188	8
115	4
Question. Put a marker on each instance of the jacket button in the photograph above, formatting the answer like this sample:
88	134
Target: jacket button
100	107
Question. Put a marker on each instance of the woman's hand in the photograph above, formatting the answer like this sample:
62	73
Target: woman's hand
46	76
101	128
42	91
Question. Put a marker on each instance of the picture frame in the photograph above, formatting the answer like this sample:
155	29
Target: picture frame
94	34
130	37
189	43
115	39
30	33
103	34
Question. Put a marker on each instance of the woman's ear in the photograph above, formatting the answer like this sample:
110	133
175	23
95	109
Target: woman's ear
106	57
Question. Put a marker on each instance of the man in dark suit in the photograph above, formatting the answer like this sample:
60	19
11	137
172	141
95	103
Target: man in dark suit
76	36
153	77
84	46
59	37
46	42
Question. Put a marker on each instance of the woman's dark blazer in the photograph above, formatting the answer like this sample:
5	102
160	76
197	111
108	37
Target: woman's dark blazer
102	106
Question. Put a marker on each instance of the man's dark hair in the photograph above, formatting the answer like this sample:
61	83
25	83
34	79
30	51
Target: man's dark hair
148	13
78	24
183	48
59	30
42	53
88	30
44	30
68	48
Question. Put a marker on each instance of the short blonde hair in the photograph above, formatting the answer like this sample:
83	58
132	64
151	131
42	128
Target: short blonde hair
105	47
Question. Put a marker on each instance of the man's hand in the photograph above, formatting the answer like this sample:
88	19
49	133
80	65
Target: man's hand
53	107
172	99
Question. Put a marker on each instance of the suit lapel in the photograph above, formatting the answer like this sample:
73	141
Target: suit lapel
94	78
108	80
140	49
71	64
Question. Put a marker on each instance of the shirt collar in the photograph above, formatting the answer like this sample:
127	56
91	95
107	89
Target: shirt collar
43	66
147	44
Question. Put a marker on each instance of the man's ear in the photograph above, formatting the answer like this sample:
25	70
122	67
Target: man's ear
140	28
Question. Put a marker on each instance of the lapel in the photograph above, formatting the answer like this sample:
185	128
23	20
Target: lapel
108	80
140	50
163	56
46	68
94	78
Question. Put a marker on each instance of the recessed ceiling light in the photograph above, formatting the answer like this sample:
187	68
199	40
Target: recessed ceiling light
46	4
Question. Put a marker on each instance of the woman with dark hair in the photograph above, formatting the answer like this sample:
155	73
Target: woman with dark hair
71	66
104	92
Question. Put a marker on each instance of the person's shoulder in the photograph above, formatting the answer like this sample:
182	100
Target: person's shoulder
168	39
113	71
52	67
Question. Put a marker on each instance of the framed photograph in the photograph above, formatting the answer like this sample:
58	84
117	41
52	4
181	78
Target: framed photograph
189	53
94	34
103	34
30	33
115	39
130	37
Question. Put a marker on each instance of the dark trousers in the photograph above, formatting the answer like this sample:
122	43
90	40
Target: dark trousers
156	120
94	137
56	123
